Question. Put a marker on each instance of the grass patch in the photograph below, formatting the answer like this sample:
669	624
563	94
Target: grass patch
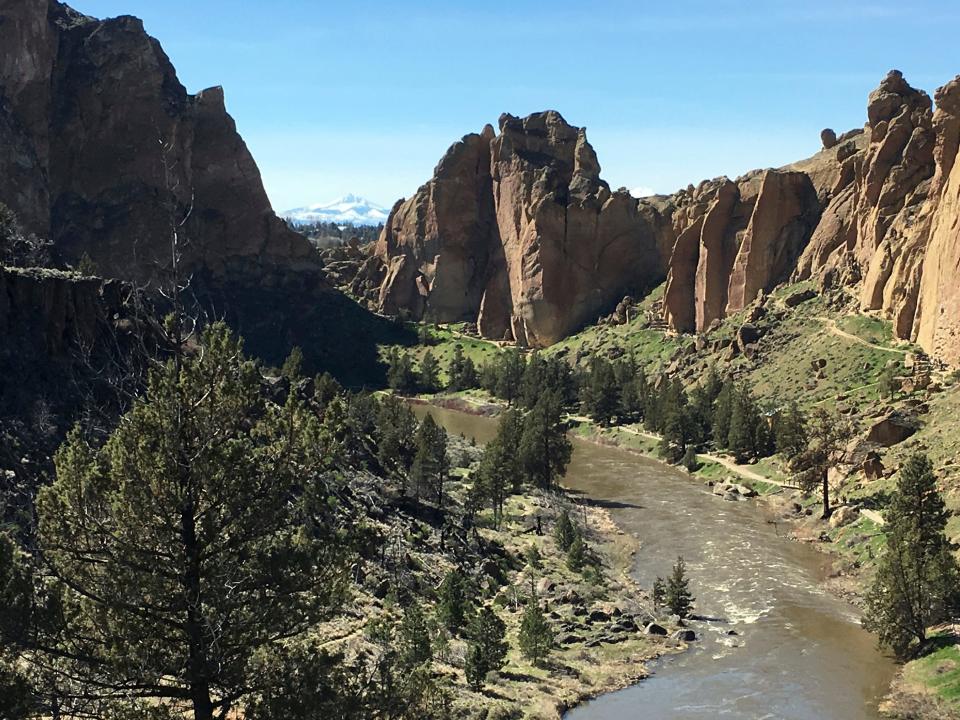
871	329
939	671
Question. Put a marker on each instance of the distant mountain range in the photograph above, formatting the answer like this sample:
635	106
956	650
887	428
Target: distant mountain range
348	210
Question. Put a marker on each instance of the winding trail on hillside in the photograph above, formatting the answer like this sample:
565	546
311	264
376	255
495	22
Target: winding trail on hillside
734	467
834	329
741	470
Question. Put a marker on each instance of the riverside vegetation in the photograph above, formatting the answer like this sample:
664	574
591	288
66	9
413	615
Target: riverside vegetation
256	542
910	584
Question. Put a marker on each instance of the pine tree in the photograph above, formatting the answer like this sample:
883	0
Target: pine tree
400	375
722	410
292	368
827	435
414	639
462	373
534	380
431	465
396	433
633	390
535	637
564	532
453	601
677	596
545	449
917	583
163	543
790	431
659	594
744	423
488	647
500	470
509	375
577	554
429	377
602	397
675	434
16	616
325	389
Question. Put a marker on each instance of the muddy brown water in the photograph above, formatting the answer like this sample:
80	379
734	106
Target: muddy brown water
799	653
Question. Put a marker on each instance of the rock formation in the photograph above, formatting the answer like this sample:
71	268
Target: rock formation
86	109
517	232
103	151
734	241
891	224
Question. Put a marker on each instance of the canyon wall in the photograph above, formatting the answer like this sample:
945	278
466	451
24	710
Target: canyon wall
518	233
102	150
892	227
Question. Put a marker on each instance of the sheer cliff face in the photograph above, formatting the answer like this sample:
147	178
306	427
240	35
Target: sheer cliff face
517	232
736	240
892	226
86	110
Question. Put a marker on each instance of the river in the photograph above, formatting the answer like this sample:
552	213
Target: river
799	653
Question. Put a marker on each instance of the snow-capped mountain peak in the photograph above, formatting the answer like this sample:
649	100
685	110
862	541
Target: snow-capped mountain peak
349	210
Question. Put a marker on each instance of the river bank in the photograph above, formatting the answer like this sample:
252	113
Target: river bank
771	642
599	618
852	544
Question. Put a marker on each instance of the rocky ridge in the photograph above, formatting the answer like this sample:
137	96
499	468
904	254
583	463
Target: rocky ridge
102	150
517	232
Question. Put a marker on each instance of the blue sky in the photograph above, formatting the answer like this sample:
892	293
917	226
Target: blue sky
364	96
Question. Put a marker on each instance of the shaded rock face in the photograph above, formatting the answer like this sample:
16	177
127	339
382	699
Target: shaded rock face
86	108
891	226
735	241
45	313
103	151
517	232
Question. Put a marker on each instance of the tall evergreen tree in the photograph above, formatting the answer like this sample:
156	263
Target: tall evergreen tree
400	375
292	368
577	554
745	423
453	601
535	637
500	469
431	464
488	647
677	592
16	618
545	449
722	411
564	532
828	435
163	543
602	393
414	638
790	431
462	373
917	584
428	379
534	380
509	375
396	432
659	594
